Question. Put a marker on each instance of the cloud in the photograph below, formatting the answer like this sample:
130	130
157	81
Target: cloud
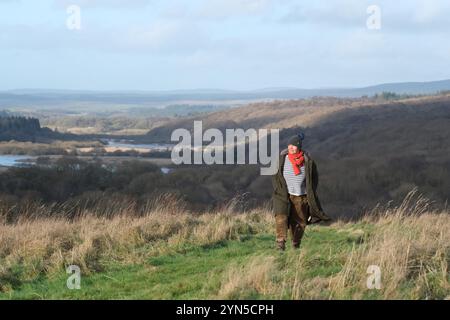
232	43
418	16
404	16
163	36
111	4
224	9
158	37
342	13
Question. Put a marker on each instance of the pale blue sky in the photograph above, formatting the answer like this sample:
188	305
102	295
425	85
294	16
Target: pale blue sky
227	44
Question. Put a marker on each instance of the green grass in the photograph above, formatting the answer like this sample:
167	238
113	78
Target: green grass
195	272
225	256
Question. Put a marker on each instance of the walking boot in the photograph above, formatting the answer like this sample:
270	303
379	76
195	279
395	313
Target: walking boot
281	245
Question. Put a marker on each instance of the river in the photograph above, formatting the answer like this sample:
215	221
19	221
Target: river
19	160
148	147
8	160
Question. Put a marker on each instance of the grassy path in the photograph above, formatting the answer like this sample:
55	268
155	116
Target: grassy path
229	256
196	273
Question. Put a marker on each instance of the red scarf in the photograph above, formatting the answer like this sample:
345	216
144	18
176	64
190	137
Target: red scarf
297	160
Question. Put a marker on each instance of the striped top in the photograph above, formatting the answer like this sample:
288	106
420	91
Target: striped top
296	183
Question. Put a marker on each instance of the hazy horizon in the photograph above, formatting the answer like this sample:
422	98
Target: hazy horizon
213	89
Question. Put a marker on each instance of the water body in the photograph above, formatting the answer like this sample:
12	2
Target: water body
165	170
9	160
17	161
149	147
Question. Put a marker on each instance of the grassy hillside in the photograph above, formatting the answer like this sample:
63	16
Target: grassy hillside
169	253
282	114
390	146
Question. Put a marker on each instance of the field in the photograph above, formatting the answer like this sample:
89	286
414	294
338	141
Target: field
169	253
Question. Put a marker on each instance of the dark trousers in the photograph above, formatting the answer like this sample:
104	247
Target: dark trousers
295	221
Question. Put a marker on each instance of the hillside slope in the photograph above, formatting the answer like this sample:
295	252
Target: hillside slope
366	152
169	254
284	114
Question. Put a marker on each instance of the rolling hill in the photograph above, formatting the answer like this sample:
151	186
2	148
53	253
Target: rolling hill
368	152
79	99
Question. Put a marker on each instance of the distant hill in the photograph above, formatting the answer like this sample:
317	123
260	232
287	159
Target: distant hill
279	114
390	146
406	88
59	98
367	152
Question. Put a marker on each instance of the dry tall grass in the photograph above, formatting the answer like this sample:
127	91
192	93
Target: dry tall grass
255	276
410	244
46	245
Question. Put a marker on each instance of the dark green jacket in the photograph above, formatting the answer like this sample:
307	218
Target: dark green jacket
280	192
